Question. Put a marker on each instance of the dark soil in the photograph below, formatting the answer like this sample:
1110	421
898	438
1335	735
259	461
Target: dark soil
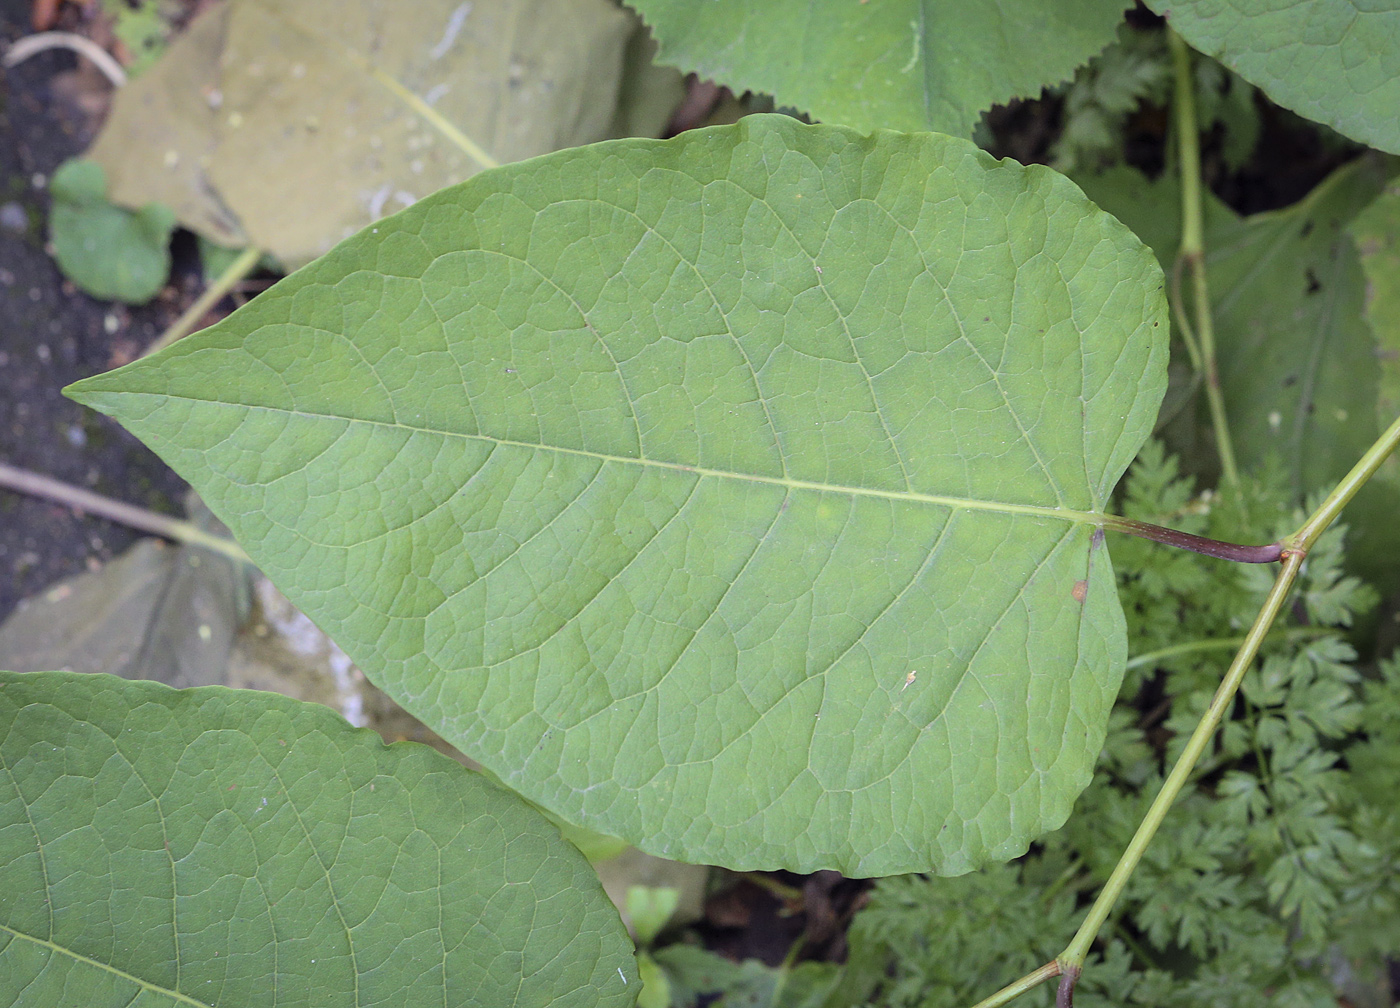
52	334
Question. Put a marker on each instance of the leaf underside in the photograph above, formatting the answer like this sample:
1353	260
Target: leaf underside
213	846
726	494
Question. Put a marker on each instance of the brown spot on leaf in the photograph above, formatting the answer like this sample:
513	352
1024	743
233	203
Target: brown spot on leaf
1080	591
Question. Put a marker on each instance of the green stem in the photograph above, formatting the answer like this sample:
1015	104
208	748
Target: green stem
1224	644
1295	550
23	481
1019	987
1062	880
786	967
1302	540
1072	958
1192	256
182	326
1183	321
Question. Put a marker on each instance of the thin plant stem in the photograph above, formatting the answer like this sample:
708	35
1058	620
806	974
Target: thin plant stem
780	890
1191	257
1072	958
1014	990
1302	540
1183	321
786	967
32	45
1070	963
182	326
1225	644
179	530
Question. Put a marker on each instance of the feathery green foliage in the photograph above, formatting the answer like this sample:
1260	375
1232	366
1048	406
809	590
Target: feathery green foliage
1136	71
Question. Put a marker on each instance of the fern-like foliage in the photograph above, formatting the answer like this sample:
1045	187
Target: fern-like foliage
1271	878
1134	73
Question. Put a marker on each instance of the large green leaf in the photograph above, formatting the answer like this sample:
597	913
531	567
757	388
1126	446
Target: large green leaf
1376	231
899	64
1296	357
732	495
222	847
1334	61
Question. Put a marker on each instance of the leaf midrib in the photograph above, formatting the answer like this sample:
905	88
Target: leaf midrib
144	985
1095	518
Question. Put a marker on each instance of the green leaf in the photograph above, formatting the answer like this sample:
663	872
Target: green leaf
141	29
701	977
1376	230
290	124
155	612
734	495
649	908
215	846
907	65
1297	357
106	250
1335	61
1151	207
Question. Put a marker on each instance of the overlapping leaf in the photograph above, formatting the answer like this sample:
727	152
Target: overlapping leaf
908	65
1334	61
732	495
290	124
1297	359
215	846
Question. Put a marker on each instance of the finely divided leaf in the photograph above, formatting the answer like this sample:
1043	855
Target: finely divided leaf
897	64
732	495
223	847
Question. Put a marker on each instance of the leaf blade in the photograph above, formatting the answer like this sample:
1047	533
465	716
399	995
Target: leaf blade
645	545
217	846
1332	61
906	66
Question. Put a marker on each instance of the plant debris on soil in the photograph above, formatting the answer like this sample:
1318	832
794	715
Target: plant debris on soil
52	334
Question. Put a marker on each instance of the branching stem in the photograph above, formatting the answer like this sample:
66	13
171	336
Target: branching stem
1074	954
1294	549
1014	990
1302	540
